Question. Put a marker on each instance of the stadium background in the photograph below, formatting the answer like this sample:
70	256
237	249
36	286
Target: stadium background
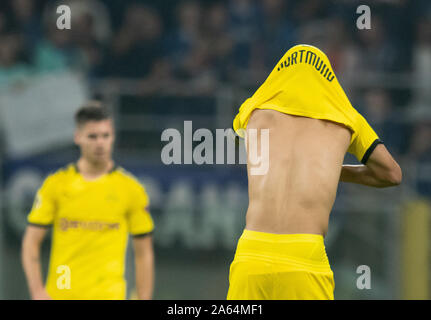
157	64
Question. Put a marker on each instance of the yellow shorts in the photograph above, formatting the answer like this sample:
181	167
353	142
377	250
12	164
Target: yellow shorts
271	266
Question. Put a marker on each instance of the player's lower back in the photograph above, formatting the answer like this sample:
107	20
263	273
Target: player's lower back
305	157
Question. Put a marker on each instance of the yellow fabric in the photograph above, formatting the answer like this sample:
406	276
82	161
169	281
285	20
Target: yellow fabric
91	222
304	84
280	267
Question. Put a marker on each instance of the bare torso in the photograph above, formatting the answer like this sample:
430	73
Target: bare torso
298	191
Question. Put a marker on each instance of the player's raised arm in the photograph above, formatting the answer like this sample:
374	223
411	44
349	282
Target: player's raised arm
30	255
380	170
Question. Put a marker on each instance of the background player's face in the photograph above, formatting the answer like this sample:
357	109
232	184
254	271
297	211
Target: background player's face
96	139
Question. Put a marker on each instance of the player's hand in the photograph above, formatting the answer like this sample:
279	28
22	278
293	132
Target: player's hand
41	295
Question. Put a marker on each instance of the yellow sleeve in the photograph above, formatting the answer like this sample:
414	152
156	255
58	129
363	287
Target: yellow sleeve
139	219
44	206
365	140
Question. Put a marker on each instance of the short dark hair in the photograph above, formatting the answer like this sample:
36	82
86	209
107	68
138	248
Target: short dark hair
91	111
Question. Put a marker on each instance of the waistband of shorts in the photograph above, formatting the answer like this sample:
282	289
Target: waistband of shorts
300	251
280	238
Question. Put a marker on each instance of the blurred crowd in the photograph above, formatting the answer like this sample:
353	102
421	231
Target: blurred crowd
194	46
209	41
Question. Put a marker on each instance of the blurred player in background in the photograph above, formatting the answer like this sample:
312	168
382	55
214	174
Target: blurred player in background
281	253
92	206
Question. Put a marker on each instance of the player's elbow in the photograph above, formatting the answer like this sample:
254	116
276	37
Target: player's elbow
385	169
394	176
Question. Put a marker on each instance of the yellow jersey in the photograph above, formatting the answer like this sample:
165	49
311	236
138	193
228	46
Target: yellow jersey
304	84
91	221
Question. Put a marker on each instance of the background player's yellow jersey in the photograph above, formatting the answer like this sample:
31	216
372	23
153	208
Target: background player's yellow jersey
304	84
91	221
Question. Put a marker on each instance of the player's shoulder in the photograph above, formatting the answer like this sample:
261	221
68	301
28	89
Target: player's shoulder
61	173
126	177
58	175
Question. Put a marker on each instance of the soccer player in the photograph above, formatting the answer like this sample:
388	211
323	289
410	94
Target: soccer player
311	123
92	206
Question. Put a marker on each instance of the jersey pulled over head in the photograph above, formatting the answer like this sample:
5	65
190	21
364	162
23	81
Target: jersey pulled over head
304	84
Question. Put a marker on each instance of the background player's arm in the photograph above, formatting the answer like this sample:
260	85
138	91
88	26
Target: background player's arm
144	266
141	226
30	255
380	170
40	218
